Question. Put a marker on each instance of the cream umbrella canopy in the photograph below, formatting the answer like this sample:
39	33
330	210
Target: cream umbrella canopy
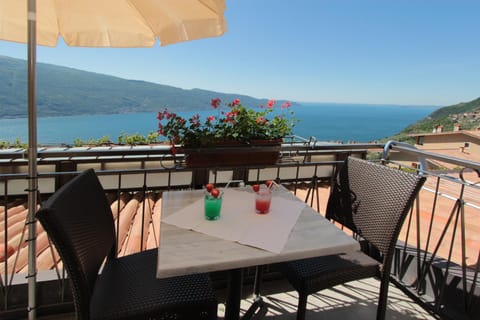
96	23
113	23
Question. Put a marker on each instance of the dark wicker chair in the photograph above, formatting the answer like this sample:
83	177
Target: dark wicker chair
372	200
79	221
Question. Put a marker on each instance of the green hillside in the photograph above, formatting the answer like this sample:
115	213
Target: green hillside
446	116
462	107
65	91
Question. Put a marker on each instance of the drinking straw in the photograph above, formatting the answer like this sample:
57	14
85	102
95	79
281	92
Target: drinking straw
240	184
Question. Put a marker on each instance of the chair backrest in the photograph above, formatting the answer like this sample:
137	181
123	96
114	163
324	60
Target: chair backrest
79	221
373	200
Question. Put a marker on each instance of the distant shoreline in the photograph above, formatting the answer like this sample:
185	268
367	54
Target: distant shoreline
298	104
325	122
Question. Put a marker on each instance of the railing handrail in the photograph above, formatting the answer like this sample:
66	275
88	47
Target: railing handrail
393	145
159	149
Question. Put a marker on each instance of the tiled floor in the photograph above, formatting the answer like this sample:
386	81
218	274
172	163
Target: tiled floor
354	301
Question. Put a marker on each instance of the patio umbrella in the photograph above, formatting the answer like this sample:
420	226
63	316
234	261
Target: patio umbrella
96	23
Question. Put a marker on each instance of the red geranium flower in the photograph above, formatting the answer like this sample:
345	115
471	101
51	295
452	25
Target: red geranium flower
236	122
215	102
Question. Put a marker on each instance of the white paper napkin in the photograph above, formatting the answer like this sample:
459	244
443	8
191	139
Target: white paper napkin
239	222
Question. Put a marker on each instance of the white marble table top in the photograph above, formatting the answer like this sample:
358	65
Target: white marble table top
183	251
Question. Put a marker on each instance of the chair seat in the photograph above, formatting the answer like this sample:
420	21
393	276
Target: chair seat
128	288
372	200
315	274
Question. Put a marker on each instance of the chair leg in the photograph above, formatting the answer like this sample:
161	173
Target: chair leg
382	299
302	306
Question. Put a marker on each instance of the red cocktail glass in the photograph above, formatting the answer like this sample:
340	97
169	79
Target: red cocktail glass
263	198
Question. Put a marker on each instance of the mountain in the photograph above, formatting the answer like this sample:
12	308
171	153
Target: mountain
465	113
65	91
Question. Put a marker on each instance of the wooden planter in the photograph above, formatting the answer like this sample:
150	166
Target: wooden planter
228	154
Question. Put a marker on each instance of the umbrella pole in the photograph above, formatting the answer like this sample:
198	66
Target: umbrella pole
32	159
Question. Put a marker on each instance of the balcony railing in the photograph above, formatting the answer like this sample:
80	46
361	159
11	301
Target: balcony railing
437	262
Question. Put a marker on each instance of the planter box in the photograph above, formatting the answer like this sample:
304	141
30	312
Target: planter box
227	154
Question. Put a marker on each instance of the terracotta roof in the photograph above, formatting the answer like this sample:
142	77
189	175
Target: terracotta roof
471	133
130	235
456	153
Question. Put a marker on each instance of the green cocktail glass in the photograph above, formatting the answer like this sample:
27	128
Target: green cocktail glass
213	207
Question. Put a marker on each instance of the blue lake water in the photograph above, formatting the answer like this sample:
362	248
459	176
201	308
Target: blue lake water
325	121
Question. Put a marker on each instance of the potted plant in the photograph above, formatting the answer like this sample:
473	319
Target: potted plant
231	136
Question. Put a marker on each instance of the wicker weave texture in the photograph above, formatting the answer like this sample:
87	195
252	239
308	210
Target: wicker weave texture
186	297
373	200
312	275
79	222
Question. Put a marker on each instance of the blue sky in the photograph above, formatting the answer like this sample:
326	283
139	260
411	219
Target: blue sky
355	51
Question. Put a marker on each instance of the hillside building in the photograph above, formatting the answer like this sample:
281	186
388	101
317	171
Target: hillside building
464	144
